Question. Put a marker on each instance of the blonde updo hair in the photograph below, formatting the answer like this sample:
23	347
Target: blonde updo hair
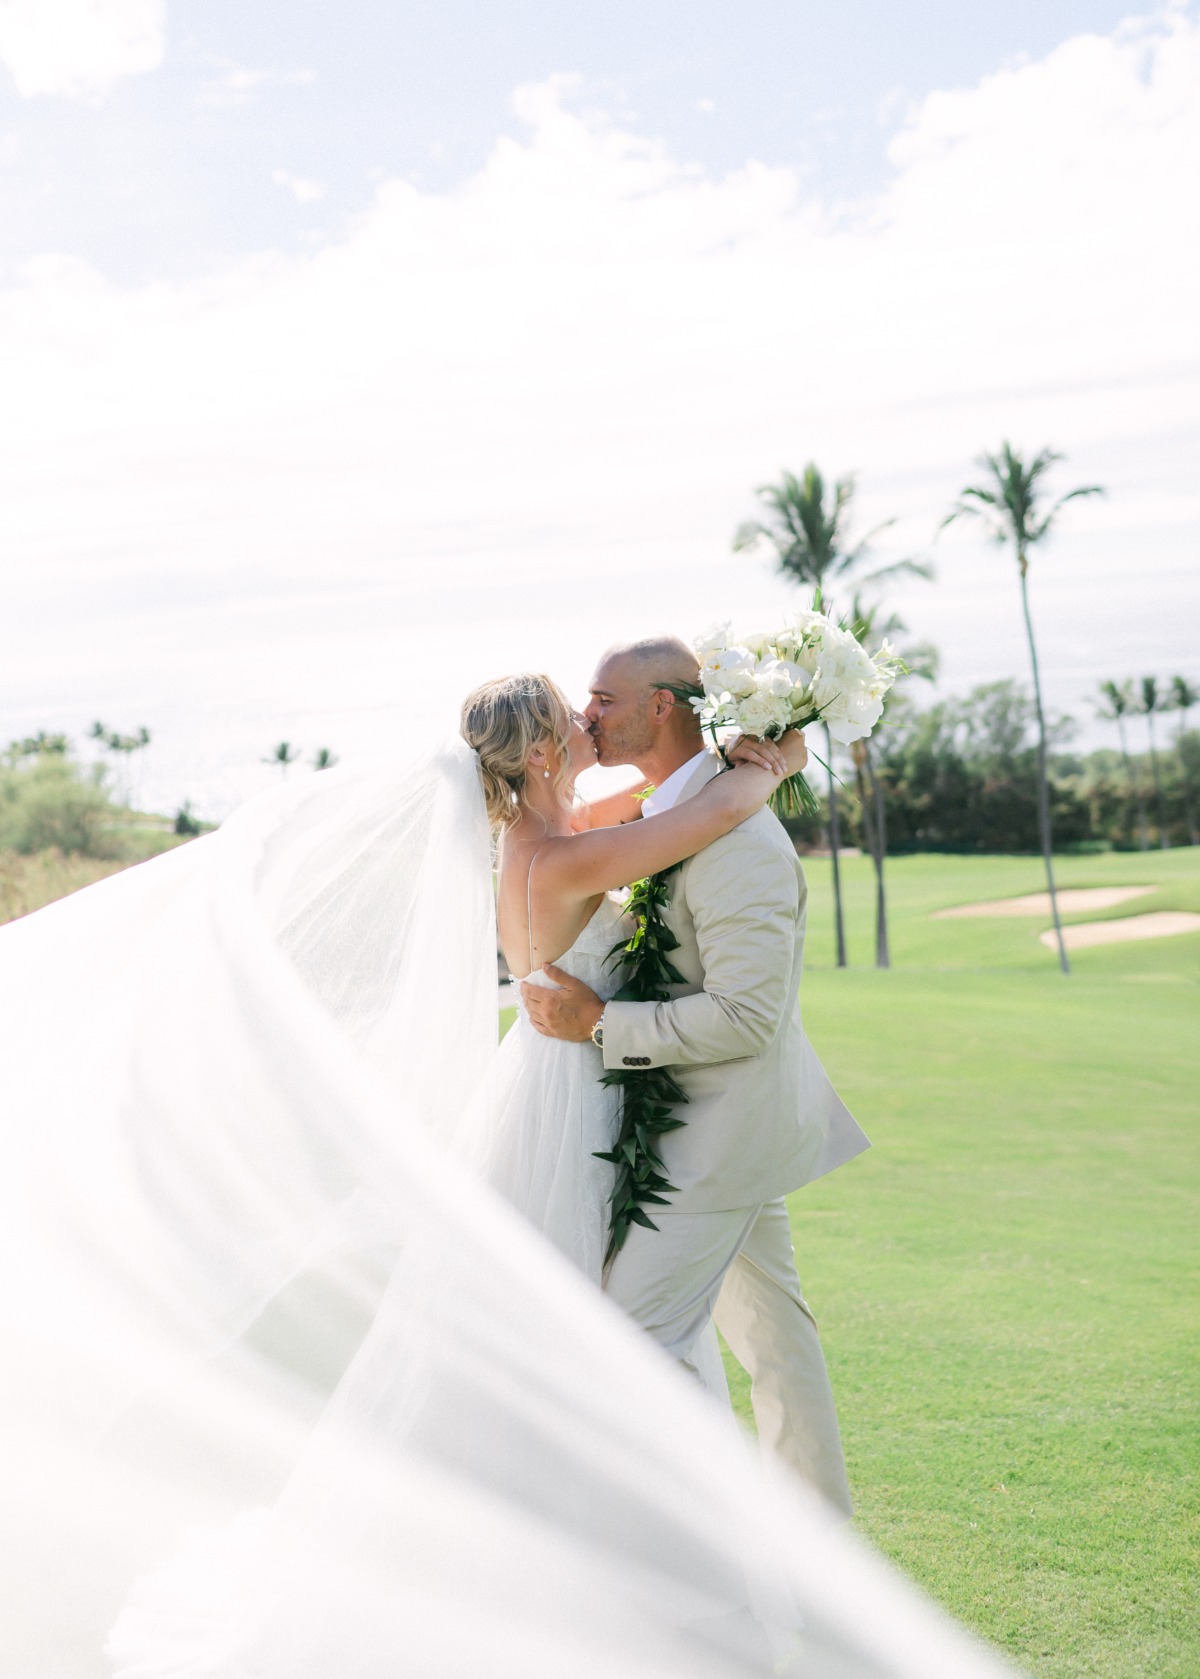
504	720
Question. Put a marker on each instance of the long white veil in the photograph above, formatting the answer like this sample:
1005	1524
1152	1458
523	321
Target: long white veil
287	1391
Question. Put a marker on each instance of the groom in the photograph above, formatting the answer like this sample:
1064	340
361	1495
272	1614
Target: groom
762	1118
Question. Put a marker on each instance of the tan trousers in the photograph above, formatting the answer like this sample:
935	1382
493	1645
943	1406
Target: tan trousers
739	1268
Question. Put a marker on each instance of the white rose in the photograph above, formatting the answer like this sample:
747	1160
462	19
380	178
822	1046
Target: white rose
763	714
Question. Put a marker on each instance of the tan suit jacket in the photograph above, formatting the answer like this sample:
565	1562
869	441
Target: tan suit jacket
762	1116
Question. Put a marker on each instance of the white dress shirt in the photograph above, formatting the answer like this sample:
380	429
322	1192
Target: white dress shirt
667	796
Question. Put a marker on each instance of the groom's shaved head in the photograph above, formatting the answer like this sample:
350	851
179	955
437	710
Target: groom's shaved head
659	658
634	719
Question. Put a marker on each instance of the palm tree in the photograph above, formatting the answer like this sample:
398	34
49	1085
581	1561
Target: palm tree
1009	504
129	745
1184	695
808	532
870	628
324	759
122	748
40	745
283	757
1150	702
104	737
810	537
1116	704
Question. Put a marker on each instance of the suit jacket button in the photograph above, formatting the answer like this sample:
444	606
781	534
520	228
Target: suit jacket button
629	1060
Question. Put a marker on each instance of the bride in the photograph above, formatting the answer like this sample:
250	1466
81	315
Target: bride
559	860
245	1268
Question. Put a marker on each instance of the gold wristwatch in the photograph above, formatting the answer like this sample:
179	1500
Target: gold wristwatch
598	1032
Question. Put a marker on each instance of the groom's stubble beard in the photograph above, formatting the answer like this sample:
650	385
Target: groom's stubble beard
625	742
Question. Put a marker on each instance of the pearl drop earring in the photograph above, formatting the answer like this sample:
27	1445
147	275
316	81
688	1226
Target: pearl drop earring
546	773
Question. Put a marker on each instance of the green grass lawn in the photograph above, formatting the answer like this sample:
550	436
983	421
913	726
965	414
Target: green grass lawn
1006	1281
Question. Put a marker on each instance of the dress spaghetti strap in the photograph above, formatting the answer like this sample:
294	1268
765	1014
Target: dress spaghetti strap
529	904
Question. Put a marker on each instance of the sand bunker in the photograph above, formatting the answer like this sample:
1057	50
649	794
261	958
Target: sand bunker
1071	902
1159	924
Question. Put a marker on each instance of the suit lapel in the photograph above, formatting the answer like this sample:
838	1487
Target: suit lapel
701	777
678	915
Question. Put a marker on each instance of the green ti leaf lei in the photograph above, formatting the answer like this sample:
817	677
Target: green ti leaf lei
648	1094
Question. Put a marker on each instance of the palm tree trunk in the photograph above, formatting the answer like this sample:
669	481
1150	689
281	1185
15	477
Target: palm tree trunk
858	752
1143	826
1163	841
883	955
870	796
1129	782
1135	785
835	840
1189	800
1043	779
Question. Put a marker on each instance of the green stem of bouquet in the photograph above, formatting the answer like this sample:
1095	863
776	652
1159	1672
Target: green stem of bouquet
649	1095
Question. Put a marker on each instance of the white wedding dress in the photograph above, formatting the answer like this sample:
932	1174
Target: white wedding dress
552	1114
252	1291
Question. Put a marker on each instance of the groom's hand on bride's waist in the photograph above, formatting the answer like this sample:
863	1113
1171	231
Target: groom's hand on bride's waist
569	1013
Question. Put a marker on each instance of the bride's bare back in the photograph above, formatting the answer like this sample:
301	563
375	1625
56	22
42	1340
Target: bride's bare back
536	925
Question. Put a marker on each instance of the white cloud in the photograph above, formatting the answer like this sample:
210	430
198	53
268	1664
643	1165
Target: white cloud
79	48
237	85
568	374
302	190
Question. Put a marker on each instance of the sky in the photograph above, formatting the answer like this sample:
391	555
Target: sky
354	355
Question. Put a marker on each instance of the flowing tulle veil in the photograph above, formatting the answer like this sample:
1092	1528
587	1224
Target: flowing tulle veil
254	1289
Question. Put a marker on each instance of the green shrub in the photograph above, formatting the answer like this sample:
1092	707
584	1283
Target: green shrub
49	802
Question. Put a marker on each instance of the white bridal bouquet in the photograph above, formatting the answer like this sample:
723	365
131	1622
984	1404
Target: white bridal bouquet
810	671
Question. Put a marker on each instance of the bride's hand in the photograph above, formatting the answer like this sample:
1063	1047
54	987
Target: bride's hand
783	757
764	754
795	750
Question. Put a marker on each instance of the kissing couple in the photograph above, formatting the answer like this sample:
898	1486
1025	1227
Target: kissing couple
761	1117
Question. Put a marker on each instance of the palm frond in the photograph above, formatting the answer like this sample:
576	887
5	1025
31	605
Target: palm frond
1010	504
749	534
859	550
1117	700
911	567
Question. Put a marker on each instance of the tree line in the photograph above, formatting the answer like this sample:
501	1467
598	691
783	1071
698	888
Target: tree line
961	776
50	800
